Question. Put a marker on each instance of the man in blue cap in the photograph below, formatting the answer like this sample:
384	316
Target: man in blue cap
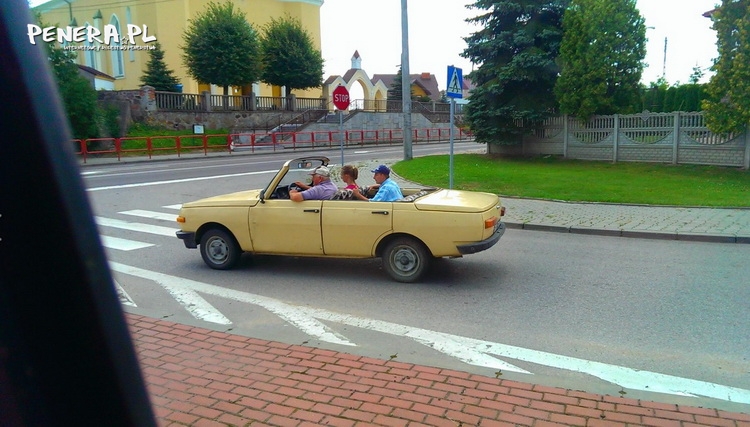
388	190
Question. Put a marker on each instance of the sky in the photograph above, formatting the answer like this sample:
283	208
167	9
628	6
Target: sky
436	28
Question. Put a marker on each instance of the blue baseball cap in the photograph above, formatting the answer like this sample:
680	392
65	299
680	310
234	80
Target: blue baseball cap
382	169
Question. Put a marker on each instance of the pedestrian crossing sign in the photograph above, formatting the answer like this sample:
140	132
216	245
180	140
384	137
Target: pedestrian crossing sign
455	83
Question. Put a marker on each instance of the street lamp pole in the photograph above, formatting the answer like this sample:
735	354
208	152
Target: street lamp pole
405	81
664	64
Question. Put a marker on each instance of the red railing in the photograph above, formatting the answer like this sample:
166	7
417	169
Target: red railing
126	146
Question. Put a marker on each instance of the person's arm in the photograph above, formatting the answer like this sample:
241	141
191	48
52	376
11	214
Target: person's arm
302	185
296	196
357	195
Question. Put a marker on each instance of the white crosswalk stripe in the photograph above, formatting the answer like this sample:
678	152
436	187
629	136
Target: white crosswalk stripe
135	226
151	214
122	244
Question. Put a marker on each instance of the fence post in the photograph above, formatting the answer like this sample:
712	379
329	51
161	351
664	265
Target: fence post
747	147
616	136
565	136
206	100
676	142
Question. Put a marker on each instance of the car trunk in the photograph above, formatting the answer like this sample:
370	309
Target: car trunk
457	201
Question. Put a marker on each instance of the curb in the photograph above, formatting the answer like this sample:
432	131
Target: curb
640	234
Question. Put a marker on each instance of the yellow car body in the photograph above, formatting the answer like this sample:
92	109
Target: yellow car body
427	223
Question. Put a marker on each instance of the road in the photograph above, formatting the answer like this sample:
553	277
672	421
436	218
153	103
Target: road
654	319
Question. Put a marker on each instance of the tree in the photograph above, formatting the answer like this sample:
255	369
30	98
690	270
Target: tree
516	49
157	75
222	48
602	54
696	75
78	96
288	56
396	91
728	104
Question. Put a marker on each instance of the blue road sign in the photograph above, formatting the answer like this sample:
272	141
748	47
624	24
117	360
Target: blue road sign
455	83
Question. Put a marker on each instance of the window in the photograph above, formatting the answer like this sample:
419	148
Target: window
118	61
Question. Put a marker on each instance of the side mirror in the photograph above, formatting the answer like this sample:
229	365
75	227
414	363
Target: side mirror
262	195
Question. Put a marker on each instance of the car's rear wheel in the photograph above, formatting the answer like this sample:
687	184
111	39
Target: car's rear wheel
219	249
406	259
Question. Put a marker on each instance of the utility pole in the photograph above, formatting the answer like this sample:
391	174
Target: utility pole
405	81
664	65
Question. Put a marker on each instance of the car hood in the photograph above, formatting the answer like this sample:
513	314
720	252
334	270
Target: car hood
241	198
457	201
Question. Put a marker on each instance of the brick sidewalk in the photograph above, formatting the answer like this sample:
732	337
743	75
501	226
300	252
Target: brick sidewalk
198	377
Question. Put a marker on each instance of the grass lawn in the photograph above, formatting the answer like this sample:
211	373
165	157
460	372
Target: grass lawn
551	177
164	139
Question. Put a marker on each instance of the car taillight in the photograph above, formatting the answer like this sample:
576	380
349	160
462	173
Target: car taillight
490	223
502	211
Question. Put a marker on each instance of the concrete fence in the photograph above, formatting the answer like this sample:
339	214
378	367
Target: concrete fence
677	138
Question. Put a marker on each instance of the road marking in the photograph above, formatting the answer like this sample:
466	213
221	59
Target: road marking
122	244
470	350
135	226
287	312
151	214
177	181
177	207
124	297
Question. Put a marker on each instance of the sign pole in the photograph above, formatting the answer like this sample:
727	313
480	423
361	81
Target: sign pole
450	167
341	135
455	90
341	101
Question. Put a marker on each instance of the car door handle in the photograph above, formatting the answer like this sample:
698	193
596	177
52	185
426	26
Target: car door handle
312	210
380	212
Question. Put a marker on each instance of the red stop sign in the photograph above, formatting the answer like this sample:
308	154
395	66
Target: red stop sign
341	98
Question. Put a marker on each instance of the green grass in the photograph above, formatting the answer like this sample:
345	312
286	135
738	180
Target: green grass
163	139
551	177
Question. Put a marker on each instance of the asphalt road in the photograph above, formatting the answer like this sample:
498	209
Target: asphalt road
558	309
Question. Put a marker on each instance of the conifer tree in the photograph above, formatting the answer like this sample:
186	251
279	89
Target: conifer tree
157	74
516	49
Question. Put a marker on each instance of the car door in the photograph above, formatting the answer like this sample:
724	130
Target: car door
352	227
286	227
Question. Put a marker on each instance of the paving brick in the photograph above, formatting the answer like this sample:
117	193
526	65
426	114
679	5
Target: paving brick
275	384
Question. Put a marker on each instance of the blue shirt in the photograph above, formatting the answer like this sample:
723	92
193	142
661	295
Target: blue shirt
389	191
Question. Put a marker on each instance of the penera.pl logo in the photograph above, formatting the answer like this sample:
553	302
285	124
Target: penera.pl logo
107	39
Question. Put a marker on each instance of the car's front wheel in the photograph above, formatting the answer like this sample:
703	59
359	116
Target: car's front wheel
406	259
219	249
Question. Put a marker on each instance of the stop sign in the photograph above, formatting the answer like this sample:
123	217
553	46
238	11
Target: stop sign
341	98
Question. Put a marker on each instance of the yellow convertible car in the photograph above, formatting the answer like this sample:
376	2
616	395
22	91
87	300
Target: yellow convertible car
427	223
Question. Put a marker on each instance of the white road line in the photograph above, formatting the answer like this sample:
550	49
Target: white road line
195	304
470	350
287	312
122	244
177	207
124	297
177	181
135	226
620	375
151	214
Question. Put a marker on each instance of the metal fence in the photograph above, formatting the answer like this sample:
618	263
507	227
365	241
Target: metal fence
255	142
171	101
